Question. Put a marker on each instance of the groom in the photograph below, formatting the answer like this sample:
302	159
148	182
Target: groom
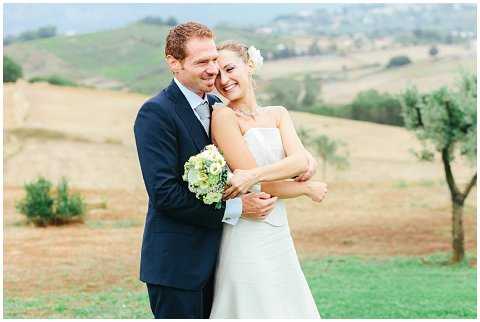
182	234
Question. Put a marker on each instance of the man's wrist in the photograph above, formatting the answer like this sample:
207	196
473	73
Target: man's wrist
233	210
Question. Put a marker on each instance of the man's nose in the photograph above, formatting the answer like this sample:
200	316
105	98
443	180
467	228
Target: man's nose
212	68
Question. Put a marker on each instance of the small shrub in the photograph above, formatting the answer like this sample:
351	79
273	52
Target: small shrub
328	150
47	32
400	184
54	80
42	32
285	92
68	206
398	61
152	20
433	51
171	21
377	107
112	141
42	209
304	135
11	70
38	204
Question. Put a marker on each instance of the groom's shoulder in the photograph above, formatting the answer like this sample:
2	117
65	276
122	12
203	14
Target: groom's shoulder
212	98
158	103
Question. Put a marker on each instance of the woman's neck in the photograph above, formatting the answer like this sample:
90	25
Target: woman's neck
247	103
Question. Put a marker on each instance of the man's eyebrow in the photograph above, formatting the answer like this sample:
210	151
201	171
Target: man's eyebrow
203	59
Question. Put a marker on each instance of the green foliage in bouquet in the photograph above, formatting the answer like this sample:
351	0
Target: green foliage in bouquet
207	175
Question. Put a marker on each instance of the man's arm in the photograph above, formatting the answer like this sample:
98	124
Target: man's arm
156	141
233	211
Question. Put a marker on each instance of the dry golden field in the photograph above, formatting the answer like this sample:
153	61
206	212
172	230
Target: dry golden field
386	203
361	73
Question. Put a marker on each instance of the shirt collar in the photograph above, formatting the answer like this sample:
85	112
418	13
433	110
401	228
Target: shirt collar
193	99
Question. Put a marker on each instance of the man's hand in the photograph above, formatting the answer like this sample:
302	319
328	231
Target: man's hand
257	205
312	168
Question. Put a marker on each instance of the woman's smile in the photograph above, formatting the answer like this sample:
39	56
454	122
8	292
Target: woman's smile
228	87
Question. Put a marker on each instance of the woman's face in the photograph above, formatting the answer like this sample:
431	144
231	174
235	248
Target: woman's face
233	80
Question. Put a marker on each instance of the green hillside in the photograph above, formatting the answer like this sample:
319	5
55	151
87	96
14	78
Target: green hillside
130	57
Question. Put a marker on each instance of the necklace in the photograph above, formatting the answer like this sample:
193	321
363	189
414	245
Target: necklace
251	114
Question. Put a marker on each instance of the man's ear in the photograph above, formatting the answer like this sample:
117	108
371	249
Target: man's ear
174	64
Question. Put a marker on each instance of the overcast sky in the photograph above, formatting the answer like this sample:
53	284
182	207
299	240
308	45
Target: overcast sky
83	18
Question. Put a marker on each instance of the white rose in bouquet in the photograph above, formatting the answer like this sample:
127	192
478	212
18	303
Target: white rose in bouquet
207	175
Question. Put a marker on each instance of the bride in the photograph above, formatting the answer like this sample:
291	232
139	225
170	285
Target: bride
258	273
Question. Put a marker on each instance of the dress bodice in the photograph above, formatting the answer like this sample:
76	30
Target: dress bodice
266	146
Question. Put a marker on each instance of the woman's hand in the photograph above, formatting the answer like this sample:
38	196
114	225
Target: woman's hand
240	182
316	190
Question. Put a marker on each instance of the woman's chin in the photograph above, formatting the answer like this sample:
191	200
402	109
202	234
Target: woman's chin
231	96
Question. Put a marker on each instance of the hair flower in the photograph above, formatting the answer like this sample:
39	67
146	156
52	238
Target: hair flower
255	57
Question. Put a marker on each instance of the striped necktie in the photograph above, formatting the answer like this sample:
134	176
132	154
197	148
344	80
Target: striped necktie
203	111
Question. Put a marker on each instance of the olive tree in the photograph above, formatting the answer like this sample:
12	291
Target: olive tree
328	150
445	121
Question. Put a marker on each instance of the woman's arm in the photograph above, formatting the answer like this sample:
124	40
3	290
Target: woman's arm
285	189
227	136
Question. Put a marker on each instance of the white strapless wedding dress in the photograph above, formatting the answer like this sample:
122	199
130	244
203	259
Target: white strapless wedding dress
258	273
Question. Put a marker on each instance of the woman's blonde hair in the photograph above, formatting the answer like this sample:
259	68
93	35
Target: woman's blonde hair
237	47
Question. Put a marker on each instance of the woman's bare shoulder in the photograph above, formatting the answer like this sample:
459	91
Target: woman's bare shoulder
223	113
276	109
223	110
276	112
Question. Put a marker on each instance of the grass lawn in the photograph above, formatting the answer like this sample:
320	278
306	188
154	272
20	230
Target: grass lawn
408	287
343	287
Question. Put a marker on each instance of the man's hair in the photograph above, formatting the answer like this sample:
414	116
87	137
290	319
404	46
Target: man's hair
179	35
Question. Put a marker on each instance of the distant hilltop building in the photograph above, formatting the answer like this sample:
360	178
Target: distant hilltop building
264	30
70	33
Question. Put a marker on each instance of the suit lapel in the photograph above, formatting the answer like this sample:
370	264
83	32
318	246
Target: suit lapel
211	101
186	114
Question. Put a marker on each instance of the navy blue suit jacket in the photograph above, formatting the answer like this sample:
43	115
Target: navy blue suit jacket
182	234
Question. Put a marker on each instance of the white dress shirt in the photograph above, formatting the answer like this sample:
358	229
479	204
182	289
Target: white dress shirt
233	209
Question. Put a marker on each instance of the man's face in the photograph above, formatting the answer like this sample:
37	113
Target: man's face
199	68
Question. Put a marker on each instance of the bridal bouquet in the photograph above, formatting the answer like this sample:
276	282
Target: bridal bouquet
207	175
